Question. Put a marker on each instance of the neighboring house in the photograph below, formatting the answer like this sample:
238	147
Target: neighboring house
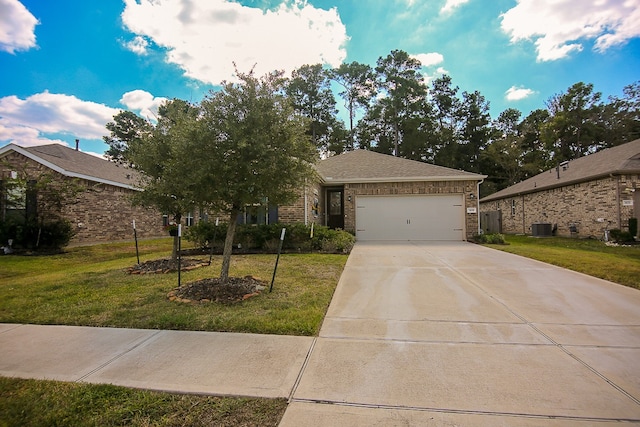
373	195
103	211
583	197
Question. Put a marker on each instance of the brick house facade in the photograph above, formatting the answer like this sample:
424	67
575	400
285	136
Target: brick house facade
361	173
102	209
582	198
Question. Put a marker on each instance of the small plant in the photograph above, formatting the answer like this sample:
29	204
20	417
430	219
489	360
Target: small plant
491	239
633	226
620	236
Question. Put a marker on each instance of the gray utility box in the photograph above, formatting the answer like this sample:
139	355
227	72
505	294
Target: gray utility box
541	229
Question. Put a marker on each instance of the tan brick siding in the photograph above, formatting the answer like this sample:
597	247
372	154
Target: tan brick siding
295	213
101	213
591	206
465	188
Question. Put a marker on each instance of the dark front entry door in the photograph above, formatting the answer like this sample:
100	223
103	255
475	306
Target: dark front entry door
335	209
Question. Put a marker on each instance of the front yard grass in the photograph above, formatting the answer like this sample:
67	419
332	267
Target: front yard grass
56	403
619	264
88	286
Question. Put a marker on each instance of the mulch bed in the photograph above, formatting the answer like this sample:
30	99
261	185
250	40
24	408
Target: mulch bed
163	266
235	290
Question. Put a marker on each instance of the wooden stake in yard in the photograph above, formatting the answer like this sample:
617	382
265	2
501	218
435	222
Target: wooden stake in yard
135	237
215	230
284	230
179	256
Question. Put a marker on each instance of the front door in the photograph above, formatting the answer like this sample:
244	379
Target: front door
335	208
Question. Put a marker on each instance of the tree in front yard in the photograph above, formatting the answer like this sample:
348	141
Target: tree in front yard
161	154
251	149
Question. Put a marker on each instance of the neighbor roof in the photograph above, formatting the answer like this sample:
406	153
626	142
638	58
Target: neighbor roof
369	166
623	159
77	164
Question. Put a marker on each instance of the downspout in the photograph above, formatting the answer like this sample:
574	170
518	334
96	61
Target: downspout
478	204
618	211
306	204
524	220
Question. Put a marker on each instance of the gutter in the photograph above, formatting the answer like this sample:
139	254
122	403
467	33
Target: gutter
331	180
63	171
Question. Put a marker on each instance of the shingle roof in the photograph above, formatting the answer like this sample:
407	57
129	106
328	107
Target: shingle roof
368	166
623	159
70	162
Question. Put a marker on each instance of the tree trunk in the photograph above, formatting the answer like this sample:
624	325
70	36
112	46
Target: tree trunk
174	251
228	246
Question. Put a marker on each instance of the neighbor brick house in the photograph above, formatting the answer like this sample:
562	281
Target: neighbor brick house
102	211
582	197
373	195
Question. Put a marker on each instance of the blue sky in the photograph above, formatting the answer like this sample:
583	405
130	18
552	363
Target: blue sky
67	66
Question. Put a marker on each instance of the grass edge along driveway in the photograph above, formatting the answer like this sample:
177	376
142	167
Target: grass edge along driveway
618	264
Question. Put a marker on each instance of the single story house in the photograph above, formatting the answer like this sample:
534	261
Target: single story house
373	195
582	197
100	213
382	197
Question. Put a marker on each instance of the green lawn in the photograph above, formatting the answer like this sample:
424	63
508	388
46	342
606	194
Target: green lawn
618	264
55	403
88	286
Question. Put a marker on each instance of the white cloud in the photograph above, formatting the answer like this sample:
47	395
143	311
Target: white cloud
205	38
517	93
429	59
560	26
144	102
450	5
17	26
24	121
138	45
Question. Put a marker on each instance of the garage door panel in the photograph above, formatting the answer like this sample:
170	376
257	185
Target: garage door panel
430	217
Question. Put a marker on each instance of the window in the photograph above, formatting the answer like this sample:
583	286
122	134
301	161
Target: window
513	207
188	219
18	202
259	214
165	220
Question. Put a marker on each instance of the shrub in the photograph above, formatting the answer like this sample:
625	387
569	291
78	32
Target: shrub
492	239
620	236
33	236
266	238
633	226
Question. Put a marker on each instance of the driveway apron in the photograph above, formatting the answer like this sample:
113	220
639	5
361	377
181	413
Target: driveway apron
452	333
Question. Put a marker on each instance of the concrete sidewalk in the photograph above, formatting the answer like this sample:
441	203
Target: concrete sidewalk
176	361
417	333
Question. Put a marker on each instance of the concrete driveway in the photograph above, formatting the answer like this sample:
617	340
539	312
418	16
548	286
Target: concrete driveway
435	333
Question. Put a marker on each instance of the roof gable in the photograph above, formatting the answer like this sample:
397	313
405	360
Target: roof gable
369	166
622	159
77	164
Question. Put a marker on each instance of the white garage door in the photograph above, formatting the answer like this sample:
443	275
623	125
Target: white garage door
410	217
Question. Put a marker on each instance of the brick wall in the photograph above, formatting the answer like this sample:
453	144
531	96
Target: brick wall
295	213
104	213
407	188
100	213
591	206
